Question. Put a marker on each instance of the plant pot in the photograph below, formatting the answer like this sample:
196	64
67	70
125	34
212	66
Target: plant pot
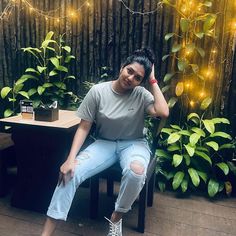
46	114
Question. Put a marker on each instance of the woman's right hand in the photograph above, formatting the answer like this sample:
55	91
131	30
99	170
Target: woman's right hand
67	170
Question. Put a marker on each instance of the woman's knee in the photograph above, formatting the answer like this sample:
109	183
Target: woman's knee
137	167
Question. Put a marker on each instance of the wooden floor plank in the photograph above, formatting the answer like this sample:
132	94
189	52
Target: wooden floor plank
170	216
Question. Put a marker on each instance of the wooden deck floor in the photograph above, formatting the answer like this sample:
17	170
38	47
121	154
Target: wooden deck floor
170	216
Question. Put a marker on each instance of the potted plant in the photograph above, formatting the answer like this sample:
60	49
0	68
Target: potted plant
47	82
195	156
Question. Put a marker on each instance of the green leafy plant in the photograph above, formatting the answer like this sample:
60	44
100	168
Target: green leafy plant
190	76
48	79
196	156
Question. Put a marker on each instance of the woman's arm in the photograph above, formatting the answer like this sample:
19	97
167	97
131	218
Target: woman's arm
68	167
160	107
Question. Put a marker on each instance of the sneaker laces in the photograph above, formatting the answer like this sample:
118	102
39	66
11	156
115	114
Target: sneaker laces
114	228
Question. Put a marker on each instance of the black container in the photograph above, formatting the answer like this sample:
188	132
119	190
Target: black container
46	114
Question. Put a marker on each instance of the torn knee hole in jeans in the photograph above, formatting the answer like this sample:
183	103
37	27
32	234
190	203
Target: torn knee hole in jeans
83	155
137	167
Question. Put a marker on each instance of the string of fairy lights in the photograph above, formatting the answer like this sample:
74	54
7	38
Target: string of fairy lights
71	13
59	14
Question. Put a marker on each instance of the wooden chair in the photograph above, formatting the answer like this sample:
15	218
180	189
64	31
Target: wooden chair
5	144
114	174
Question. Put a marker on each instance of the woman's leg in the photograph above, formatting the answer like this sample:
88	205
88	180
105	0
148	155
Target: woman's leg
94	159
134	159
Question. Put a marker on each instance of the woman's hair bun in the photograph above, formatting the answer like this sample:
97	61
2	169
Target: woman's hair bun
145	52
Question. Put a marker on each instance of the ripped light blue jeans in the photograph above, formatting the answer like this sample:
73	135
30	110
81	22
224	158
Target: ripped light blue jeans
97	157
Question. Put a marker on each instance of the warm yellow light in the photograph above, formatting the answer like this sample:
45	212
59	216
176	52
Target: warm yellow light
58	20
72	14
31	9
46	18
209	73
191	103
214	51
202	94
234	25
88	4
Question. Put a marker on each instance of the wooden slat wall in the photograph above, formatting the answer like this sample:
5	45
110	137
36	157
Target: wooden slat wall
101	35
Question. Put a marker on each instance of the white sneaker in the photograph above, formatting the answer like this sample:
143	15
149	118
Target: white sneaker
115	229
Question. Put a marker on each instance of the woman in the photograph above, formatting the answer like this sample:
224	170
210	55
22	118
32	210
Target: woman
118	107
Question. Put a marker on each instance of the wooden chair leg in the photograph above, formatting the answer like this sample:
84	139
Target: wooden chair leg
142	208
94	197
151	186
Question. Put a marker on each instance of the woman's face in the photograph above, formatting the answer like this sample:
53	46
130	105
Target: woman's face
131	75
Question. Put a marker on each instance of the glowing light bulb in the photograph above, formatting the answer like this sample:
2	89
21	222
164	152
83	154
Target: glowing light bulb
214	51
191	103
46	18
88	4
58	20
202	94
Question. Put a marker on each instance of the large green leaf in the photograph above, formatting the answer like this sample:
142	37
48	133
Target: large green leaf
213	145
209	125
177	180
8	113
40	90
184	24
41	69
224	167
193	139
201	51
169	35
209	22
5	91
174	137
194	176
173	148
218	120
213	187
204	156
182	64
161	153
62	68
32	91
17	88
24	78
177	159
32	70
172	102
60	85
167	130
165	88
55	61
227	146
175	127
185	132
165	57
199	131
176	48
206	103
184	185
168	76
202	175
24	94
49	35
190	149
67	48
221	134
68	58
45	43
193	115
187	159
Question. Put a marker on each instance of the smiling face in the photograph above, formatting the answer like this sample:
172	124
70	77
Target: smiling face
131	76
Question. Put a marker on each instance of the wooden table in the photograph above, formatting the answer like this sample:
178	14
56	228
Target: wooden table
41	147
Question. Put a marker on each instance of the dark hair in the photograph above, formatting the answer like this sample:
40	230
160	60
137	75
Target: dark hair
144	57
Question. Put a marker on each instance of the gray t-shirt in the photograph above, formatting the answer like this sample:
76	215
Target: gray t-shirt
117	116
